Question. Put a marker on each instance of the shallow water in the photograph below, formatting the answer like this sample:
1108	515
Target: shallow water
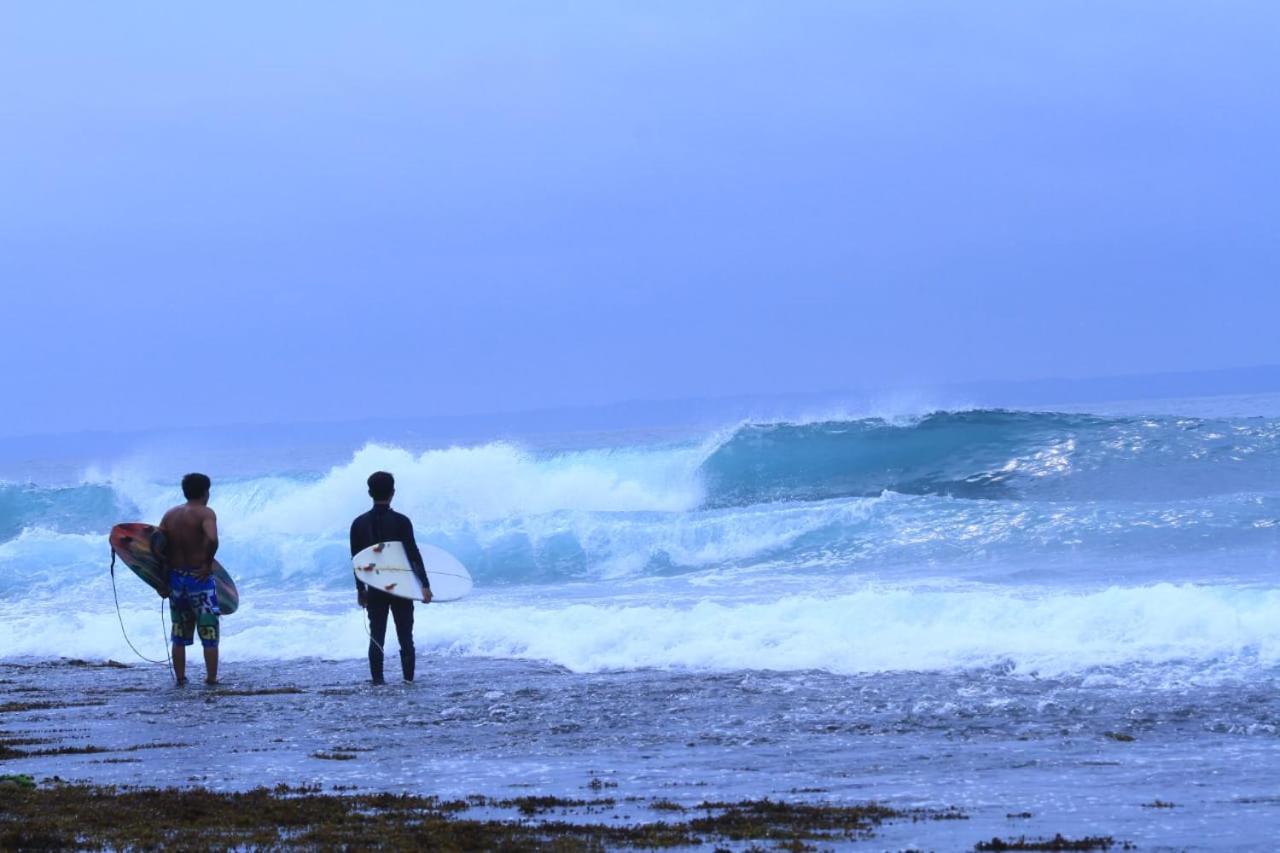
989	742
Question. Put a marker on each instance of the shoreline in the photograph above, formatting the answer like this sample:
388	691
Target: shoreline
511	754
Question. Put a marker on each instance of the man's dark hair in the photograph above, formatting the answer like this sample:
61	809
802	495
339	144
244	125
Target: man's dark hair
381	485
195	486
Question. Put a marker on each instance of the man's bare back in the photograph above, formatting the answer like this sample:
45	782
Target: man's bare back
192	531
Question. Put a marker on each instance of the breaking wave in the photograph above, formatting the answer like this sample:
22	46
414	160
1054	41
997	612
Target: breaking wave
775	534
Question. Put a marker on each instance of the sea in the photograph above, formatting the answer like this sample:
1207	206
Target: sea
1059	619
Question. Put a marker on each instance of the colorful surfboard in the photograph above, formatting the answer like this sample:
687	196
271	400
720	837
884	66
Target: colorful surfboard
141	547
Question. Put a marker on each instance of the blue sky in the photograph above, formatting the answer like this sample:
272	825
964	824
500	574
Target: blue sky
284	212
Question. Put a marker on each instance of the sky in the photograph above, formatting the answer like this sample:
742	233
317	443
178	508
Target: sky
248	212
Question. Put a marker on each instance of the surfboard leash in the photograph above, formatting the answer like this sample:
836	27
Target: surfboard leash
116	596
369	631
164	633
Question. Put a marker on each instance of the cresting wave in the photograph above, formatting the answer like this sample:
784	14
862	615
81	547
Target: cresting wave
993	454
833	497
996	454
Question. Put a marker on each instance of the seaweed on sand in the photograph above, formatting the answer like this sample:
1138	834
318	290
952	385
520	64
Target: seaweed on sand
778	821
7	750
17	707
85	816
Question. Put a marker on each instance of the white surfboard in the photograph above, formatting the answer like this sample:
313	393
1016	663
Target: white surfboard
386	567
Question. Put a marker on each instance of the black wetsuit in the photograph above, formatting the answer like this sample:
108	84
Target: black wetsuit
383	524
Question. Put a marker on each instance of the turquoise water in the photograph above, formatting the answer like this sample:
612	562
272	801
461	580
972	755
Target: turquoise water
1048	541
949	607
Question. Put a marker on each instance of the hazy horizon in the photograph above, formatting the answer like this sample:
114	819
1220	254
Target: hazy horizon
1096	393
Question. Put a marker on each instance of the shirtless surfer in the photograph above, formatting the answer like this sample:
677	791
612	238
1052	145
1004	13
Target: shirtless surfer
192	533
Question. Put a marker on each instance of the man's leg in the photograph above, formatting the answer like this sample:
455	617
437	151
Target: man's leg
402	610
211	664
209	639
183	621
376	605
179	662
207	628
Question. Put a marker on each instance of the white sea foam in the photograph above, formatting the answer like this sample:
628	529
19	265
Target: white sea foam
450	486
876	630
1223	630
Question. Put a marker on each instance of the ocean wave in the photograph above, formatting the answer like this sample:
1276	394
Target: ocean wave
887	536
982	454
996	454
851	497
67	508
460	485
1046	542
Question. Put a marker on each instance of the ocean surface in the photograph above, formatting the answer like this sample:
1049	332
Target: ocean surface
1071	613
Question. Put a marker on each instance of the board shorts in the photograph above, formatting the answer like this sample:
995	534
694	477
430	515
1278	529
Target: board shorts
193	607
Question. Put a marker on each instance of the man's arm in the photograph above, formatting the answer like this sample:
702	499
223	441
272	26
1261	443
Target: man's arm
356	549
209	524
415	559
165	562
163	527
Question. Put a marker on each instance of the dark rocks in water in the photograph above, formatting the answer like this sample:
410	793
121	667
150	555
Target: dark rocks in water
106	664
259	691
1058	842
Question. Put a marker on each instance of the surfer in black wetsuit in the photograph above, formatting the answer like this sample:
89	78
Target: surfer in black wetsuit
383	524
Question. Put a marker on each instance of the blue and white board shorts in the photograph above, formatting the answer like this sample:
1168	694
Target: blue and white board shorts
193	607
